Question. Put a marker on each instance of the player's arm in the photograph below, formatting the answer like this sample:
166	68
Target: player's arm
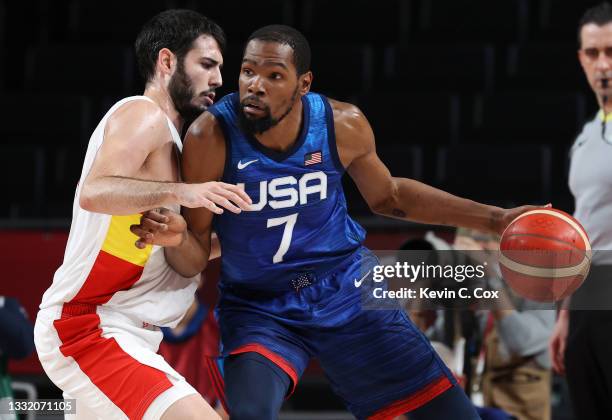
405	198
203	161
113	185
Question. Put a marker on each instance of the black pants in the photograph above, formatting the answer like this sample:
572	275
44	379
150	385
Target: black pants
588	362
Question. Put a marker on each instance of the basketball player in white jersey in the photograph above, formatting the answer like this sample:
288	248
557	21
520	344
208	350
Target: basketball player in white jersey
97	329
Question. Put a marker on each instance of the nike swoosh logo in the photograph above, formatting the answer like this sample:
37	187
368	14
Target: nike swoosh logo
245	164
358	283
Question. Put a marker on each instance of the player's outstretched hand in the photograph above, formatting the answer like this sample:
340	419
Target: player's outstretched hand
509	215
214	195
161	227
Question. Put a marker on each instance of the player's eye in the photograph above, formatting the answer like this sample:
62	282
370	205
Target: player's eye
246	71
276	76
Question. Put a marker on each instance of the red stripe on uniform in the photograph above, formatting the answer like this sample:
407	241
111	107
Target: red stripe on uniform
217	381
413	402
274	358
129	384
108	275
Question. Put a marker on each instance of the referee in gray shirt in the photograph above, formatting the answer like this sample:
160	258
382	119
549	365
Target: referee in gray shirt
581	344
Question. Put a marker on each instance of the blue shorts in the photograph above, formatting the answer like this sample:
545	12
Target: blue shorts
377	361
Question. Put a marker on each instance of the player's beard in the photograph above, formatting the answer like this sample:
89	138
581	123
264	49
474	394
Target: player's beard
182	94
252	126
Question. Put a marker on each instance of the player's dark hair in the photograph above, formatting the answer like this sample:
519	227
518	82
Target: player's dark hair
600	15
287	35
175	29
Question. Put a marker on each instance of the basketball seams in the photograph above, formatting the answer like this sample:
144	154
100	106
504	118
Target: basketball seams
548	238
566	218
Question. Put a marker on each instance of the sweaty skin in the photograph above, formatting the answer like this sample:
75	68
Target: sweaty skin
136	167
269	77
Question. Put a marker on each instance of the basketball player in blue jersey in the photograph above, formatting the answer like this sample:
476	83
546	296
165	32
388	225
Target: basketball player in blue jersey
293	266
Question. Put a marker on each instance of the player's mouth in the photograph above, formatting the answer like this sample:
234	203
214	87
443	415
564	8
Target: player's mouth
253	108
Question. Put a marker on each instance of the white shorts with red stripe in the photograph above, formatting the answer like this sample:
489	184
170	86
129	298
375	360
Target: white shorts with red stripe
107	361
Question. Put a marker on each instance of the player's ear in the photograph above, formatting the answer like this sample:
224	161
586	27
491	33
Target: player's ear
166	61
305	81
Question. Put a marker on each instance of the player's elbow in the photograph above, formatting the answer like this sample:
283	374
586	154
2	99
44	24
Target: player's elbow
86	201
386	204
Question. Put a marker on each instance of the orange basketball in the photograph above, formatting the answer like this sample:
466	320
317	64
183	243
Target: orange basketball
545	255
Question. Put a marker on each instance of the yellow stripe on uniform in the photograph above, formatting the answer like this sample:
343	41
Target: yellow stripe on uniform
120	241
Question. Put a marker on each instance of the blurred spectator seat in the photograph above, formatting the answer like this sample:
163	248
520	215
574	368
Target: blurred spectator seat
558	20
473	21
112	20
241	18
543	66
536	117
506	175
364	21
439	67
341	69
22	169
80	69
46	120
404	117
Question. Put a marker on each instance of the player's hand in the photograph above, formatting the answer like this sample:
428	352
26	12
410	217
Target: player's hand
214	195
557	342
161	227
508	215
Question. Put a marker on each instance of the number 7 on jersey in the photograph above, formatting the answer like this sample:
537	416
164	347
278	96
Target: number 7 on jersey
289	222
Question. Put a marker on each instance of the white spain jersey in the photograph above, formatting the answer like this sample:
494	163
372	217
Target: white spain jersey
102	266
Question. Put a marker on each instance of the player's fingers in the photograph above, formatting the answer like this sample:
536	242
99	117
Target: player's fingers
239	191
223	202
156	215
143	234
234	198
208	204
153	226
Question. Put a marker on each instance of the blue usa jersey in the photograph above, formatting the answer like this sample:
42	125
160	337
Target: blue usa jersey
298	227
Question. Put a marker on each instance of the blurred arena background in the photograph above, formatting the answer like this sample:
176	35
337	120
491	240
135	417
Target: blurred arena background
481	98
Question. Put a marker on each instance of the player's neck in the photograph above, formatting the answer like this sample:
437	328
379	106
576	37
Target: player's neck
162	99
282	136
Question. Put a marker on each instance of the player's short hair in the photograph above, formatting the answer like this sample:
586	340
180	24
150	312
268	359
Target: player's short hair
175	29
287	35
599	15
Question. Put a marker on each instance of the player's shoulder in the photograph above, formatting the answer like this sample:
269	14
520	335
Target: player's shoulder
205	132
345	111
137	110
349	120
138	116
205	124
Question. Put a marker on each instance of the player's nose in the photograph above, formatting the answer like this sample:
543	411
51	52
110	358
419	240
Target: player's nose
216	79
256	86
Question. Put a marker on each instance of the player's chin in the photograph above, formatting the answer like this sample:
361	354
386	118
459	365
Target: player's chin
252	117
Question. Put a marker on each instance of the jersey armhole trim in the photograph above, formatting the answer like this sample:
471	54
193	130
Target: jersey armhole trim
227	168
331	135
